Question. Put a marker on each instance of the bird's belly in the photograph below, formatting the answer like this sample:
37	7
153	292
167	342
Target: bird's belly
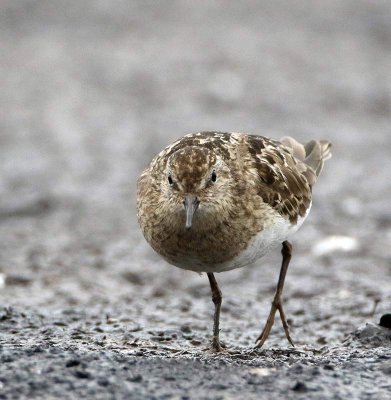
272	235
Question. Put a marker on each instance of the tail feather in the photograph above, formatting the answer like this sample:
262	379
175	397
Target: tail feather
316	153
313	154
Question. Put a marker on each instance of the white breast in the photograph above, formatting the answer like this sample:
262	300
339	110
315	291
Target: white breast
273	235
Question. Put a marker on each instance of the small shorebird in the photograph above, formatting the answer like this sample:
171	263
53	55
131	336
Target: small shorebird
214	201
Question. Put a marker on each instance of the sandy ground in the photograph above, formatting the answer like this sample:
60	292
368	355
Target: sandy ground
89	92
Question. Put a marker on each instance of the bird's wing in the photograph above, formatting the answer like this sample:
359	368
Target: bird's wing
282	179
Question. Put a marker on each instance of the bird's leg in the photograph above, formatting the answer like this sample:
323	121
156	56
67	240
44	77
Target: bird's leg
216	298
286	252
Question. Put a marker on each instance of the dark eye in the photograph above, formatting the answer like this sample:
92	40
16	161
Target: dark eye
214	176
170	181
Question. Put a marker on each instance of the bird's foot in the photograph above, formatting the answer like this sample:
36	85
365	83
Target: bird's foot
216	346
276	305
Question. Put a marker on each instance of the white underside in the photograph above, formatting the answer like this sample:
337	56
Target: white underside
273	235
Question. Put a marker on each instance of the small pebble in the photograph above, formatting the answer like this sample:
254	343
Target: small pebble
385	321
300	387
135	378
72	363
103	382
335	243
185	329
82	374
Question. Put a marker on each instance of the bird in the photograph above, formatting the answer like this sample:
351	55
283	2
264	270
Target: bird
215	201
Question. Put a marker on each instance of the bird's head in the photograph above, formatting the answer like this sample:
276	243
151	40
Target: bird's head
197	182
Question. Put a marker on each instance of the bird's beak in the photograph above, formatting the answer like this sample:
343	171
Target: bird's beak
191	204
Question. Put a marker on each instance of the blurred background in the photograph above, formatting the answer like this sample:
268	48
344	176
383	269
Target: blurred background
90	91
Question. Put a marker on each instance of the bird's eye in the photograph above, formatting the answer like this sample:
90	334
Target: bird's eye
213	177
170	181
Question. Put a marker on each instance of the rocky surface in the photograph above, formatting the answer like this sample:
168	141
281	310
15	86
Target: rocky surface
90	91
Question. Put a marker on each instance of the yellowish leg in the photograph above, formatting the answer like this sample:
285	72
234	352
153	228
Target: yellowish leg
286	252
217	299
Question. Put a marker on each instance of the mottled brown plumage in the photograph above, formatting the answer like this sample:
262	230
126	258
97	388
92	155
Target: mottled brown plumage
214	201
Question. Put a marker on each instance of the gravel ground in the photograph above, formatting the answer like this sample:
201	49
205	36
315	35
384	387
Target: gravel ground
89	92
